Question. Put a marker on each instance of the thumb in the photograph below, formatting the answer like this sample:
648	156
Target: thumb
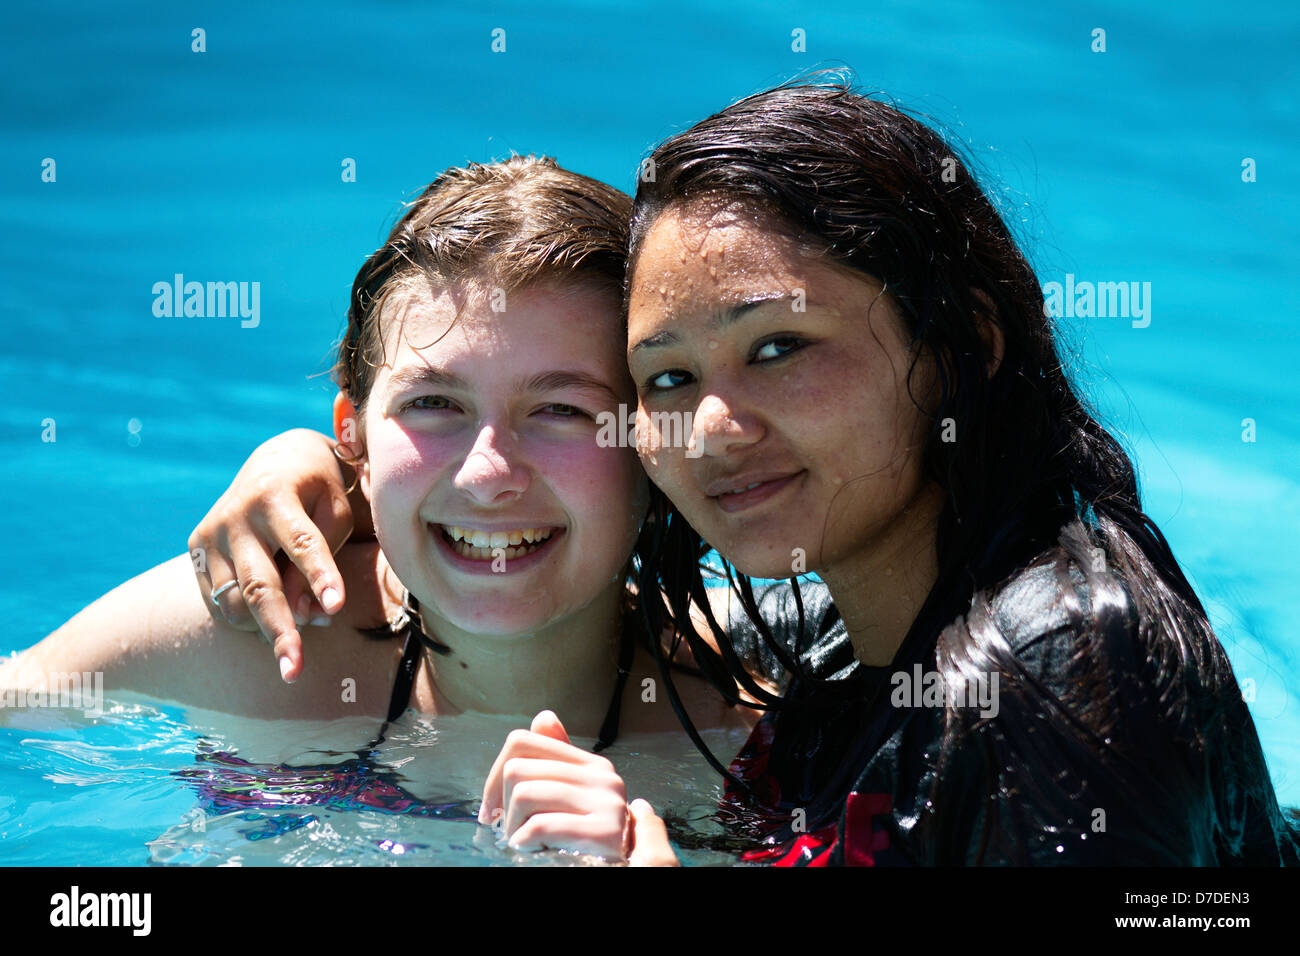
650	846
548	725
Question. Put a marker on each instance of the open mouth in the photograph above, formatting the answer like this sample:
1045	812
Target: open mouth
475	545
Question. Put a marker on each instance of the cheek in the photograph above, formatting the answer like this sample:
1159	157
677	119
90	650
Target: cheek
591	482
402	464
663	462
868	418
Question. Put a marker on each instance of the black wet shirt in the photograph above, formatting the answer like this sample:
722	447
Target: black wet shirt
848	771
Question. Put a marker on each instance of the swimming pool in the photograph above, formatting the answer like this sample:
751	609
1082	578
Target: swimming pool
147	784
226	165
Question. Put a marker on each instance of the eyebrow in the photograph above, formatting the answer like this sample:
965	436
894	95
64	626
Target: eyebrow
554	380
721	320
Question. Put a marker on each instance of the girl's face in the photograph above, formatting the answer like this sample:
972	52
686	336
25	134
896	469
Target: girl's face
789	374
492	499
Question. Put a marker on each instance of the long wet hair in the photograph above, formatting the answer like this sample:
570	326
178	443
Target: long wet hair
1032	477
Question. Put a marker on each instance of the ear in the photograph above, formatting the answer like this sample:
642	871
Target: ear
990	332
347	430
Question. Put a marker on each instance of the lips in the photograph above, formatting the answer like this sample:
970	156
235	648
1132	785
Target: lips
744	491
745	481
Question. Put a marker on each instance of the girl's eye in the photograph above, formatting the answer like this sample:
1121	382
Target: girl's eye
777	348
673	378
565	411
430	402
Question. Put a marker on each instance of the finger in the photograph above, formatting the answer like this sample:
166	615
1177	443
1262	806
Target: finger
333	515
229	603
566	831
531	797
649	837
297	593
288	656
523	743
197	550
260	584
520	770
292	532
548	725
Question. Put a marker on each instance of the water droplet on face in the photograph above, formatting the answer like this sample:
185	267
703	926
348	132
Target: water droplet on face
713	271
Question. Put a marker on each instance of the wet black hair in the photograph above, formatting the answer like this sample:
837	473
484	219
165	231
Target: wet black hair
1031	479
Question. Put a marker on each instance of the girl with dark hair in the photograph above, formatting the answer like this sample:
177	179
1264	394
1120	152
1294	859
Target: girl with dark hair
876	396
1010	666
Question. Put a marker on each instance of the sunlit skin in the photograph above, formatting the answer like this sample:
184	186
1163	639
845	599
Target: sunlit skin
487	420
812	405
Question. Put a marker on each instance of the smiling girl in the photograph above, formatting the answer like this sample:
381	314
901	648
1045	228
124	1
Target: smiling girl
484	340
877	396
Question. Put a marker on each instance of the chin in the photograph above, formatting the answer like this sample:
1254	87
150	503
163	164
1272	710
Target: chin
762	559
495	624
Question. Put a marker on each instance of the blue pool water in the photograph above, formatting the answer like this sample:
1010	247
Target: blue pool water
225	165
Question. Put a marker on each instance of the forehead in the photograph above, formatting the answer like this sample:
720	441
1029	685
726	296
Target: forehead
727	239
424	320
703	257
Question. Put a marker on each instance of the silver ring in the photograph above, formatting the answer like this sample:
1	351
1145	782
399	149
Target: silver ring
222	590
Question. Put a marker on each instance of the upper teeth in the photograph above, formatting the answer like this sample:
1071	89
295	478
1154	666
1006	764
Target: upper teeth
736	491
498	539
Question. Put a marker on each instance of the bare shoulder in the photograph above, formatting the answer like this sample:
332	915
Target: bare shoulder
153	635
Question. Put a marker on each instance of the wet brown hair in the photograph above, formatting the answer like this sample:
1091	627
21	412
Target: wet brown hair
506	224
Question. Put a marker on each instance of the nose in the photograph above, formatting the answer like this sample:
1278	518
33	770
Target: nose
719	427
492	472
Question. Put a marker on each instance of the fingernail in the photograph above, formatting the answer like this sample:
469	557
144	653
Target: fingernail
284	670
321	620
329	599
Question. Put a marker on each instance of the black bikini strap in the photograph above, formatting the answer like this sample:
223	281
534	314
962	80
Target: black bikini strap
405	679
626	654
403	683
